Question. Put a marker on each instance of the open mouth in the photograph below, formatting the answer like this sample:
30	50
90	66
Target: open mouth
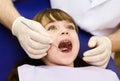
65	45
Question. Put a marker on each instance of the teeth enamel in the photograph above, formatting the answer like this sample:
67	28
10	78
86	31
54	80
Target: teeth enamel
65	49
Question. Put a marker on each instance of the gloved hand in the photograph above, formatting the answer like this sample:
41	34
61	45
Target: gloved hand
34	39
100	53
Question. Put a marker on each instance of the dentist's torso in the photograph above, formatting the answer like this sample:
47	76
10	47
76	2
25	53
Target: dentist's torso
99	17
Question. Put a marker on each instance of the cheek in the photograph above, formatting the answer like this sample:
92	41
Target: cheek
53	36
76	42
51	52
51	55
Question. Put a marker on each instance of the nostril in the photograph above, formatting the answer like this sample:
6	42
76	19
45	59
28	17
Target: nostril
62	33
66	32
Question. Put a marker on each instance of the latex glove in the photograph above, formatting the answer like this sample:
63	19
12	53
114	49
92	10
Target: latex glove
100	53
34	39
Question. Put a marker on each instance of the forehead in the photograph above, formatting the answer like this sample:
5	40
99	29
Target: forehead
48	18
60	23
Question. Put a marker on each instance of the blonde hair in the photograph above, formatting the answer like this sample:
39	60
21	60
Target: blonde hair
52	15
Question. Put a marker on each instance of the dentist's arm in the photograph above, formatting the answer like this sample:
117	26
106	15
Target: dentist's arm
8	13
115	39
34	40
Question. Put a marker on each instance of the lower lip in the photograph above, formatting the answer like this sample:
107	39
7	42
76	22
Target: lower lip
66	51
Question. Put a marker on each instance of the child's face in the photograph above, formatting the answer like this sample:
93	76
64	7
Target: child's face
65	37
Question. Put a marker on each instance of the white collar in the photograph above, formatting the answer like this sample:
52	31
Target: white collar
95	3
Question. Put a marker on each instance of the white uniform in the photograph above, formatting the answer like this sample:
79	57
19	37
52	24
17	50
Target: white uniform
62	73
99	17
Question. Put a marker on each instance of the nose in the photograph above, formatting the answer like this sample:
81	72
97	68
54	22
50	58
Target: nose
64	33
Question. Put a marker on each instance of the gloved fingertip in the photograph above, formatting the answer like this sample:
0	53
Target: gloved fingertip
86	54
85	59
92	44
51	41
